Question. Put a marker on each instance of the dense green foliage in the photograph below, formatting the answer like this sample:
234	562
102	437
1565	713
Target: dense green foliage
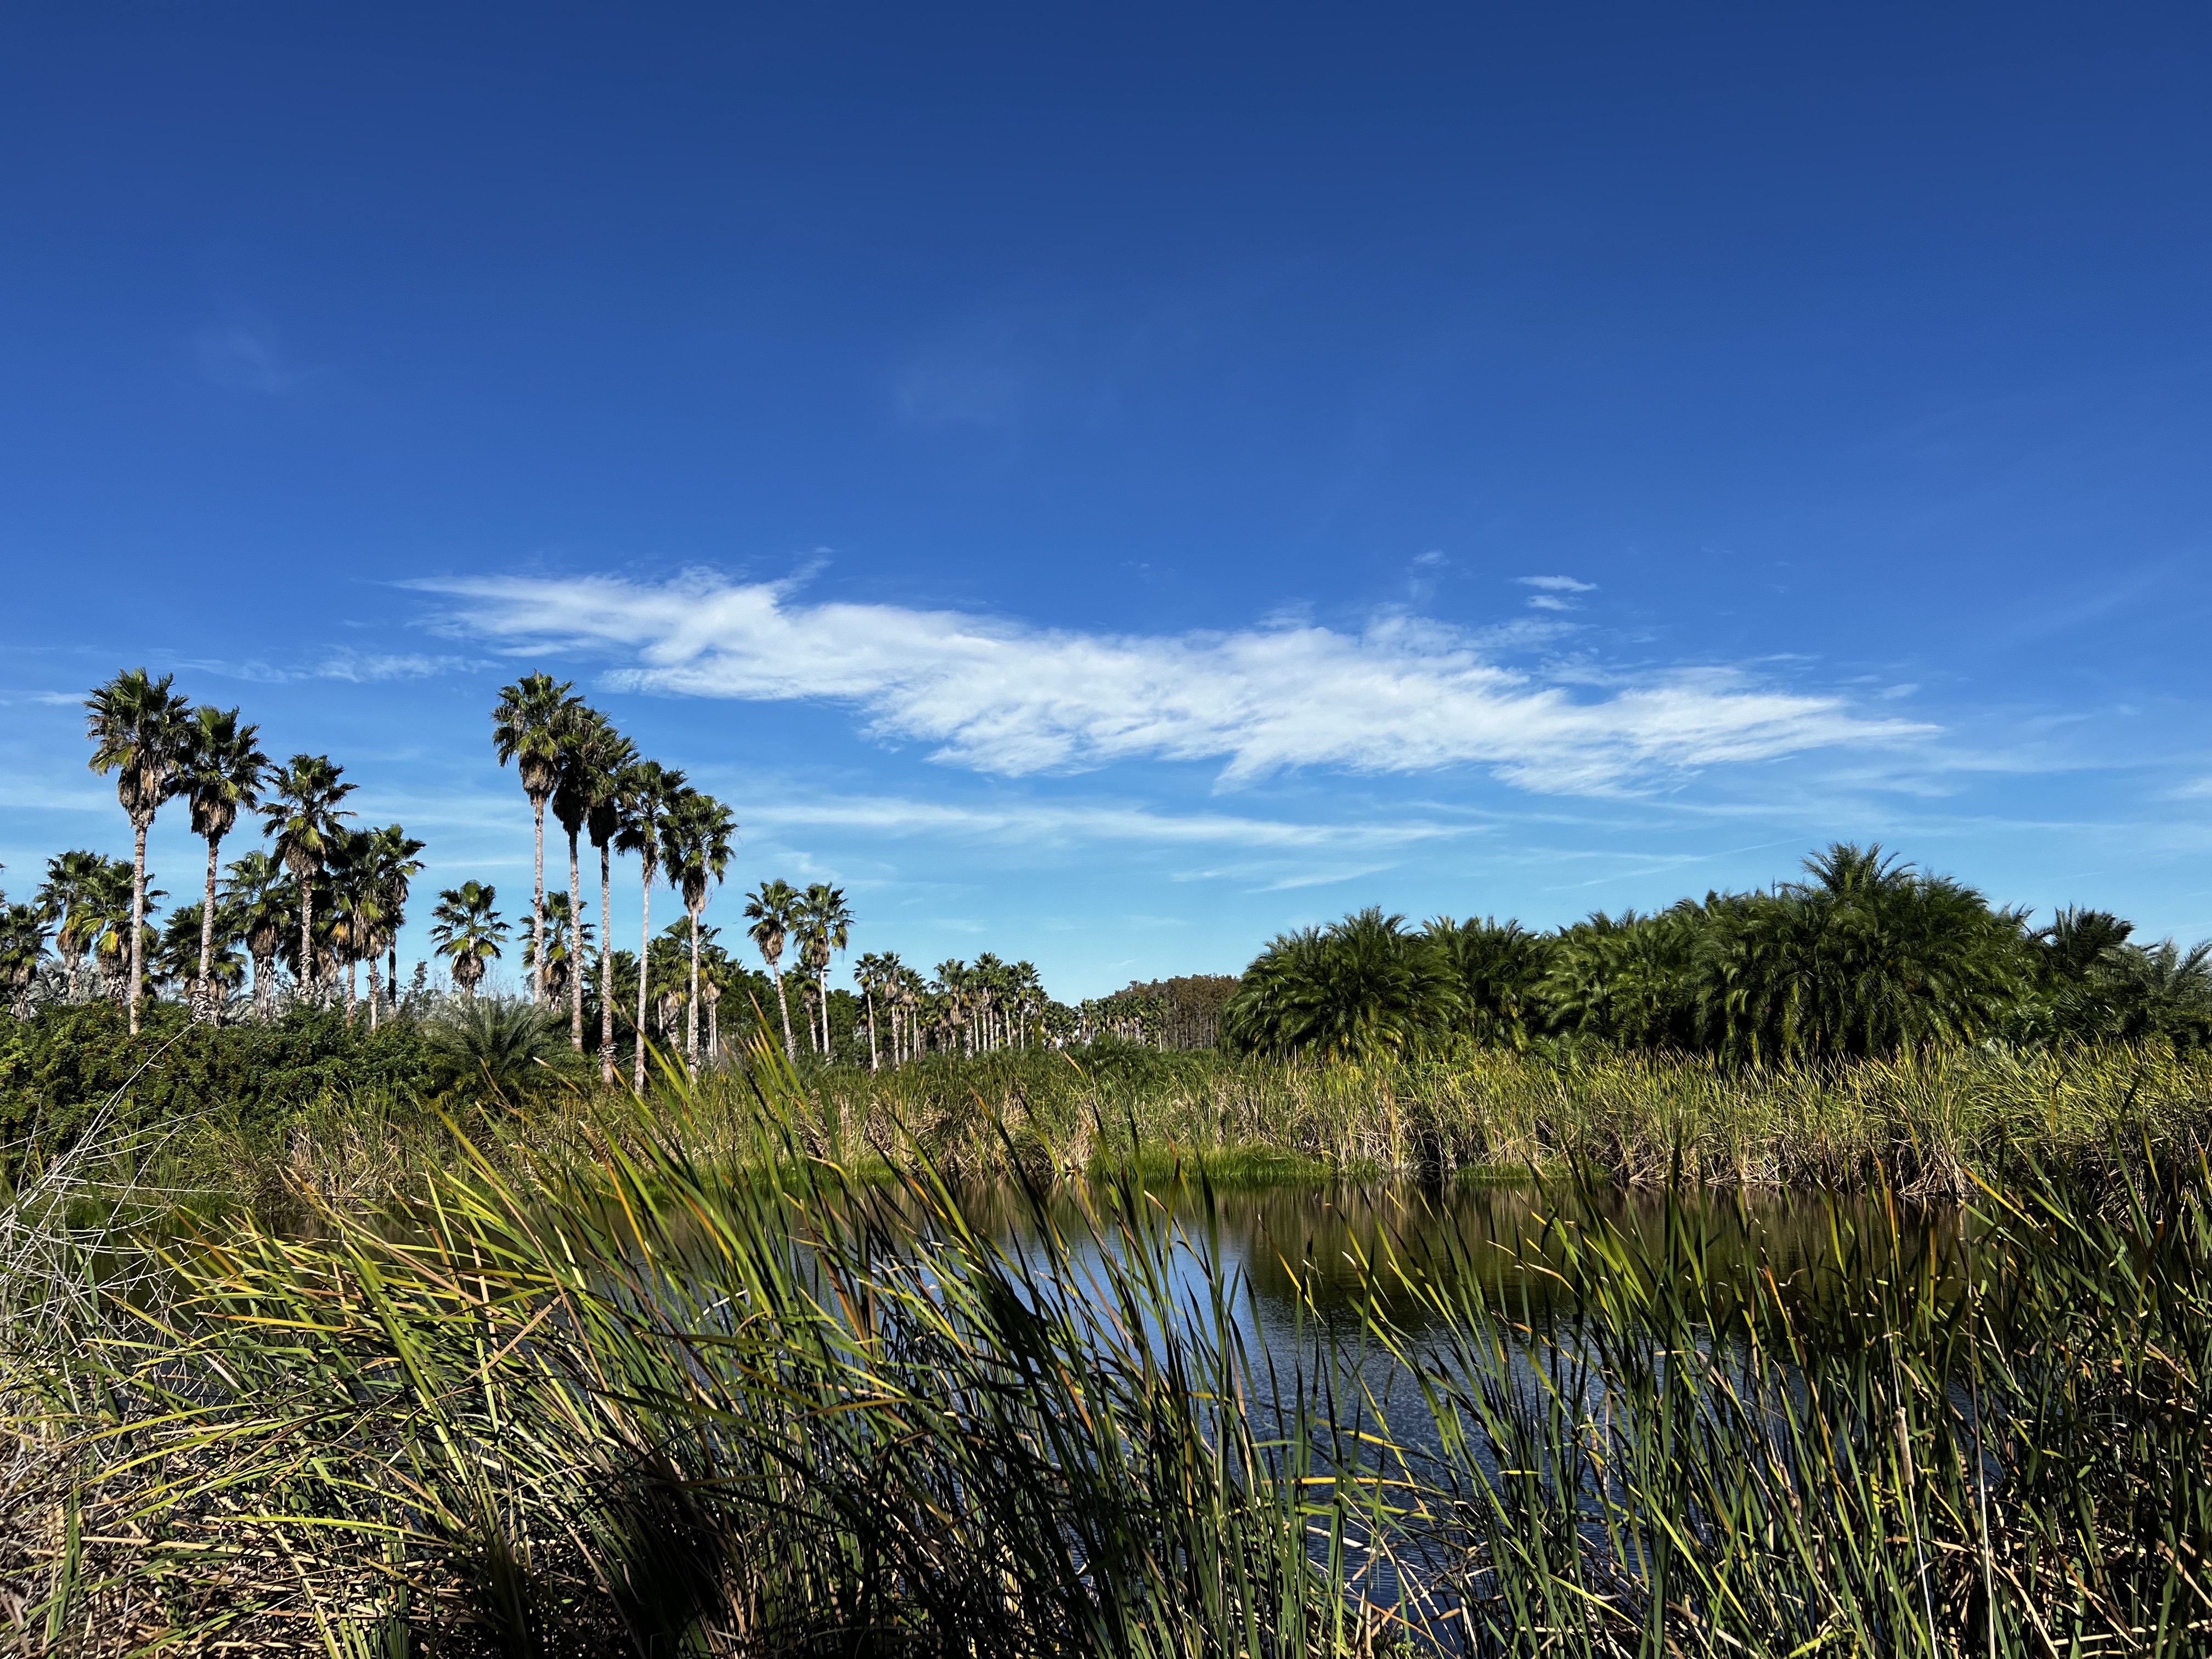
1866	956
65	1066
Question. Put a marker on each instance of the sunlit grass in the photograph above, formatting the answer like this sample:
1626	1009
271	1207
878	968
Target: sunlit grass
688	1379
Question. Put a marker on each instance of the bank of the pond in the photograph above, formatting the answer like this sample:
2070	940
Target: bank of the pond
258	1116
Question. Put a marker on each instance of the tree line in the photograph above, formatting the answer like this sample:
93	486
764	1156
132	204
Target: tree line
326	897
1865	954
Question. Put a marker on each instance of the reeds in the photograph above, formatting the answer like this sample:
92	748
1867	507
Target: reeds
624	1398
1919	1123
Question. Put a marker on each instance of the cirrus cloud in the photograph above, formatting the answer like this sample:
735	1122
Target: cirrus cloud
1401	694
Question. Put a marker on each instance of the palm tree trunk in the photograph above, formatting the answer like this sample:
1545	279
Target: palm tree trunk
691	1009
783	1007
138	922
307	937
203	992
644	950
537	910
822	990
874	1065
353	985
607	966
713	1030
372	992
575	953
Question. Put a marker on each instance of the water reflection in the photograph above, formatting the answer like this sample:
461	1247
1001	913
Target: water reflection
1325	1250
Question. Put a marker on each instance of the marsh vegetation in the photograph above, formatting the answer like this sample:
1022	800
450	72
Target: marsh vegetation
656	1388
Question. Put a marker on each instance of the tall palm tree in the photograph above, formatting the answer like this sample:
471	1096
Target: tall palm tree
137	728
303	816
774	911
260	903
70	879
592	753
828	926
612	757
468	932
695	845
220	773
527	727
391	867
647	793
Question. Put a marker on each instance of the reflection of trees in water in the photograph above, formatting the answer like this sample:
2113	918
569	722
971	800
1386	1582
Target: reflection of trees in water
1331	1247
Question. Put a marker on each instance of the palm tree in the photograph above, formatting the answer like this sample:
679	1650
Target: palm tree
259	902
137	728
303	817
100	922
468	932
568	944
908	993
876	972
774	911
527	728
22	945
646	794
352	911
593	755
1360	987
695	844
219	773
177	957
612	755
391	868
70	879
827	924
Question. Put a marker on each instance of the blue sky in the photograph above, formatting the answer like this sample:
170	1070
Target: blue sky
1108	484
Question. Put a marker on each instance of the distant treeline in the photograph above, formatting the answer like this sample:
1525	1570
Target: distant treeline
1865	957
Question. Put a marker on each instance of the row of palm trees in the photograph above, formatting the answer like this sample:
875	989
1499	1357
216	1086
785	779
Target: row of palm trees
569	757
327	895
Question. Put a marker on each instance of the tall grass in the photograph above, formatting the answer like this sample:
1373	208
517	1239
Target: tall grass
627	1398
1918	1124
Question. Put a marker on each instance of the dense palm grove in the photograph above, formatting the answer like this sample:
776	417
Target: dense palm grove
311	921
1865	957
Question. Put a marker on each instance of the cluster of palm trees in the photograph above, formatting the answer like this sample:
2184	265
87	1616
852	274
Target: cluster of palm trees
971	1008
327	896
1865	956
570	757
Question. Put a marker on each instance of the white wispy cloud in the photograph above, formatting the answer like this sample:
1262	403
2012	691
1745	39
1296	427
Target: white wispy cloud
1032	823
363	667
1401	695
354	667
1553	591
